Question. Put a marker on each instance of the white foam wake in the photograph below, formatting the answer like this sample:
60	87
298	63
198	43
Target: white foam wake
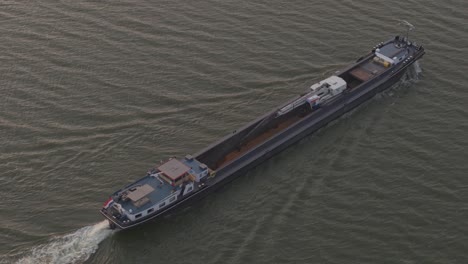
71	248
414	71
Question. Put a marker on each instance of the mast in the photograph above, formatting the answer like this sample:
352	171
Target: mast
408	26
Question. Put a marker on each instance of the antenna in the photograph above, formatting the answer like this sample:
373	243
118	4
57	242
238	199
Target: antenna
408	26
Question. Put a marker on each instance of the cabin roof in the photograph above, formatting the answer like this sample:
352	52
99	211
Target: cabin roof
391	51
173	169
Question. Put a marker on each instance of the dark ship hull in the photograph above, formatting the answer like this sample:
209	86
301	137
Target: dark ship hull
268	135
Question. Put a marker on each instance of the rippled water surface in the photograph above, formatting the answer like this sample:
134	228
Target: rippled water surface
93	93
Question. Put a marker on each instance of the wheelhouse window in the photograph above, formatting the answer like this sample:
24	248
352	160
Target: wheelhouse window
177	181
165	178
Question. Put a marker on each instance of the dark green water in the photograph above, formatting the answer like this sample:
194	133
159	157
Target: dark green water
93	93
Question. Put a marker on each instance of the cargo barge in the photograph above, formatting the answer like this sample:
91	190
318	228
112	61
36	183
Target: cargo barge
178	181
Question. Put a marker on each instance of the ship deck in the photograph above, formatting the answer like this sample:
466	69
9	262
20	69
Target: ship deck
160	192
258	140
367	70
